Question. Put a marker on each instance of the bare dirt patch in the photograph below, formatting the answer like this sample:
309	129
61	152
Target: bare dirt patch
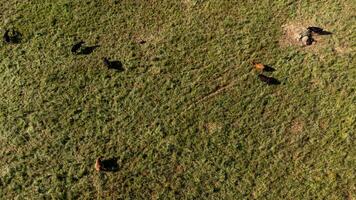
212	127
294	35
297	126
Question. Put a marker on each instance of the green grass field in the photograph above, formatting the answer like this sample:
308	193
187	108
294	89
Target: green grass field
188	118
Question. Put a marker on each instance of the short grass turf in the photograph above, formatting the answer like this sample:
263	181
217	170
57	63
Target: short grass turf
188	118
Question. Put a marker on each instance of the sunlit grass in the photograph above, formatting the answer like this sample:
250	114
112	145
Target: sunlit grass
188	117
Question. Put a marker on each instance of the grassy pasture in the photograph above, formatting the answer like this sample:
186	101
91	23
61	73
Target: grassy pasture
188	118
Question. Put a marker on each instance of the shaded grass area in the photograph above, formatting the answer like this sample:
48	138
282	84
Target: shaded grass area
188	118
